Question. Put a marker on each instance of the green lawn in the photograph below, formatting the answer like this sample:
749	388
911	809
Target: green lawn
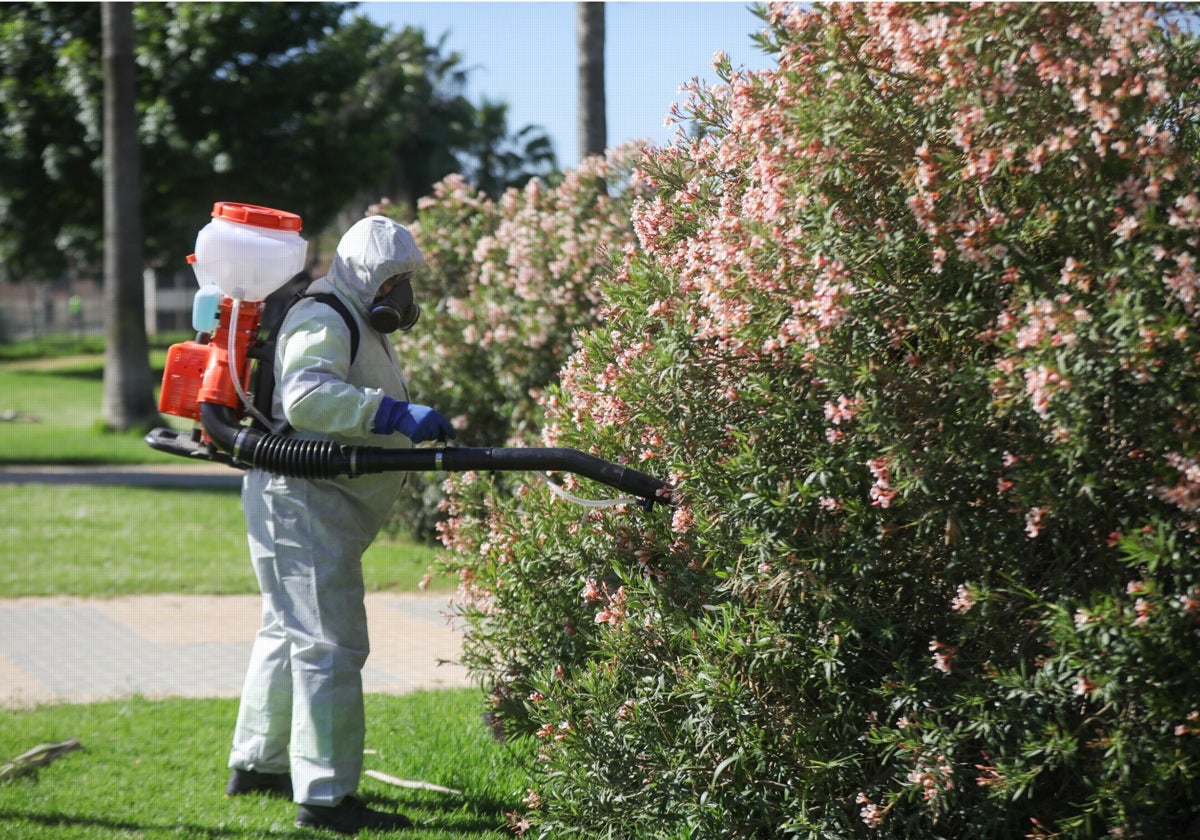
53	406
79	540
55	422
156	769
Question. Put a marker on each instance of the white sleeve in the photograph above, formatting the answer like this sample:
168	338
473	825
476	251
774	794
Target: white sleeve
312	361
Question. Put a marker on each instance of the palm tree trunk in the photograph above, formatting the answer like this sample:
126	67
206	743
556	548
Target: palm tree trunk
128	398
589	38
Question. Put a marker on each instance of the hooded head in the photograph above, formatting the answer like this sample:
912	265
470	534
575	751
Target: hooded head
373	251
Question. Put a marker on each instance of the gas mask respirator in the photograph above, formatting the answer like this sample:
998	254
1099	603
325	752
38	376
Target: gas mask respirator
394	310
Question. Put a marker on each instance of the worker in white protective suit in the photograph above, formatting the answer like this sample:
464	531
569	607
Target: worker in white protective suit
300	726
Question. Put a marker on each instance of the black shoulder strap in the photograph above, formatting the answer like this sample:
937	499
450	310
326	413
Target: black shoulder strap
264	376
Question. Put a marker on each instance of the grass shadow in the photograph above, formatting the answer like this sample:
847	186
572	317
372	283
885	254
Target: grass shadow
143	829
477	814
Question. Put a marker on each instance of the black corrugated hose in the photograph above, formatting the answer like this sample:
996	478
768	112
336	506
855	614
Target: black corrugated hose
288	456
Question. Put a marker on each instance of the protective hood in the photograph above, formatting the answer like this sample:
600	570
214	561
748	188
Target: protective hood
373	250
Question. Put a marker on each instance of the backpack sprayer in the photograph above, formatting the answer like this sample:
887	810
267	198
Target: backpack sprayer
242	256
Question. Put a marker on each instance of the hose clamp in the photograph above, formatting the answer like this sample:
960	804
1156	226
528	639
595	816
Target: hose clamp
237	444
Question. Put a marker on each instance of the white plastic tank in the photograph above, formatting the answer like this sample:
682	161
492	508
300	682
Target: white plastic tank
248	251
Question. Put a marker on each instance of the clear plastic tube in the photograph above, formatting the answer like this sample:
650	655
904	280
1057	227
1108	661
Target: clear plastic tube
233	367
591	503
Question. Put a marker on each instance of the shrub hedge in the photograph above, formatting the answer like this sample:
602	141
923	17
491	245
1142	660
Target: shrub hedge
911	325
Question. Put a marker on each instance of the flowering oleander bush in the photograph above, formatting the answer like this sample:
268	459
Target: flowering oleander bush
509	283
912	328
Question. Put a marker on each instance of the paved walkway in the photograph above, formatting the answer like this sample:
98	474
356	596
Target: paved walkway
149	475
65	649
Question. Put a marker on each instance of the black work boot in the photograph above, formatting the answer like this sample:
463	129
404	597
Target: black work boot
242	782
349	816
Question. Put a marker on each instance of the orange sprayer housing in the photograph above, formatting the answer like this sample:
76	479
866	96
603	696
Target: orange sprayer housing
182	378
198	373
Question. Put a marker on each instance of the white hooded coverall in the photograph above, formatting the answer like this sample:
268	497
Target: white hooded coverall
302	704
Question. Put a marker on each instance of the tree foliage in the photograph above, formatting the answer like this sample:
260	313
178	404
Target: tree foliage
49	150
912	328
293	105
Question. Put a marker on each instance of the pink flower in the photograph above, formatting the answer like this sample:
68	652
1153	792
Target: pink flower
989	775
871	813
1186	493
614	612
1186	729
1034	521
1042	384
843	410
1125	228
932	779
964	599
881	491
1143	608
1190	602
682	519
943	656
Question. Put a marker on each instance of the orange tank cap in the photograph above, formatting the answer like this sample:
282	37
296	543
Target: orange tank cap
252	214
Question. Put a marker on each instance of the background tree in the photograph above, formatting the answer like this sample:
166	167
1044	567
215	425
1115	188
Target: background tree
287	104
589	41
128	398
425	117
495	160
49	150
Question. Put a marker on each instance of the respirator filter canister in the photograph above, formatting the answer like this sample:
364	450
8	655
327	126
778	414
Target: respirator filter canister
396	309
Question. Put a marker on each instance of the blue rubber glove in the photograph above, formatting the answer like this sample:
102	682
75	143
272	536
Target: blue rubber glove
418	423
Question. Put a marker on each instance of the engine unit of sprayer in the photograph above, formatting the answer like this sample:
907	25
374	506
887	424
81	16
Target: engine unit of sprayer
199	371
